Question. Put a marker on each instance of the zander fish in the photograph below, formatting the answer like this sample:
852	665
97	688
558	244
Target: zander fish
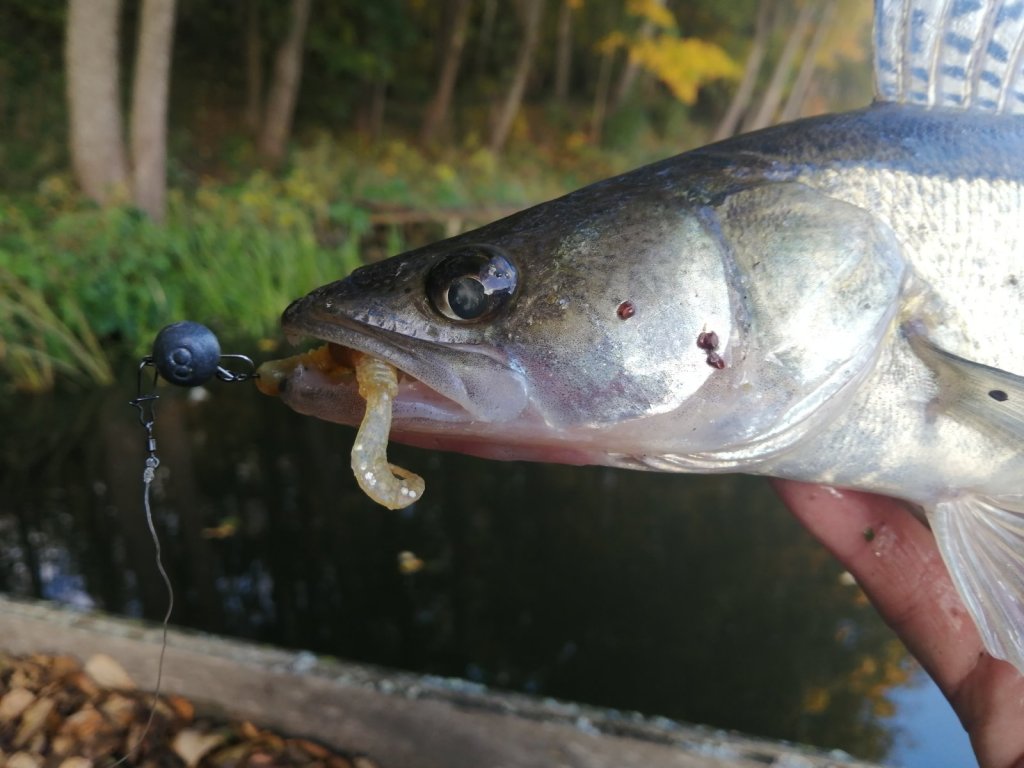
837	300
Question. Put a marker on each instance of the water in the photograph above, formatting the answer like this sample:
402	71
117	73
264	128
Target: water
697	598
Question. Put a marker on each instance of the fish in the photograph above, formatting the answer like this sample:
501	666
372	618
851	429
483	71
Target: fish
837	300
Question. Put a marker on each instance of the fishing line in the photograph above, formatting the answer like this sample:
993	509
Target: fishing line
186	354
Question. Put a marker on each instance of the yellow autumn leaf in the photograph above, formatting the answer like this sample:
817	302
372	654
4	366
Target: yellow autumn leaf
610	43
653	11
684	64
816	700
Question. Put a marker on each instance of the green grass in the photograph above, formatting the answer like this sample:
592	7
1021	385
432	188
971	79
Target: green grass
83	285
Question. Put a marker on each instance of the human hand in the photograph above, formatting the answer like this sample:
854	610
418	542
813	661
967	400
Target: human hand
894	558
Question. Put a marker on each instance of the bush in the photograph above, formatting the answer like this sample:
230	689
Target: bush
82	284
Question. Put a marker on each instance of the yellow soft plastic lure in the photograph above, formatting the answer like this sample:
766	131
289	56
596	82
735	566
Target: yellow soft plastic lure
388	485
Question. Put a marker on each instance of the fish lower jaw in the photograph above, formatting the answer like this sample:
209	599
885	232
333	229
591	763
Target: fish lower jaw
322	383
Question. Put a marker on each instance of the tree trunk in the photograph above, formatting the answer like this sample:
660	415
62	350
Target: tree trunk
378	103
284	89
798	93
604	78
755	58
149	107
563	51
253	68
437	111
486	37
94	103
772	98
531	15
629	72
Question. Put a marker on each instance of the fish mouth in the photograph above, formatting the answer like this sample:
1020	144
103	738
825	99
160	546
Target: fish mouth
438	383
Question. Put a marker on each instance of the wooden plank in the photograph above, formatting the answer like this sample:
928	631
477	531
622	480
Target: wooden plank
399	719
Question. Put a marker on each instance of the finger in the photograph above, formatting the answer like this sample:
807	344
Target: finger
893	557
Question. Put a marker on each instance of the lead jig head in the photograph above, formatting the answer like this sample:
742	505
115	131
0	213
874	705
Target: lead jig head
188	354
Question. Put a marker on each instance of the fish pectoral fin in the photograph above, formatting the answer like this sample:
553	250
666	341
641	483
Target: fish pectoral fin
982	543
988	397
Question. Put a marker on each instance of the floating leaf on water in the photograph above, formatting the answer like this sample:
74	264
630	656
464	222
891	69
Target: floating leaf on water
108	673
409	563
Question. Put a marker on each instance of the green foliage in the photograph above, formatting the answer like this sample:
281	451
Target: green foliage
83	285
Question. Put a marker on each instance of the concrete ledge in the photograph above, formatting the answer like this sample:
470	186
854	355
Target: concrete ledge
401	720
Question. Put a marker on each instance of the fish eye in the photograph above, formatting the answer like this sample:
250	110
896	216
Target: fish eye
472	283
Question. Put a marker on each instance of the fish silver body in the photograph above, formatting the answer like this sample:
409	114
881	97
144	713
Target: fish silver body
927	230
836	300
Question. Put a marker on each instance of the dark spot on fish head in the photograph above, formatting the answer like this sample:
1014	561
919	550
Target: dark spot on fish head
715	360
626	310
707	340
868	534
998	395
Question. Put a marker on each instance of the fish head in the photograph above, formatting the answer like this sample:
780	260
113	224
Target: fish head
533	336
640	321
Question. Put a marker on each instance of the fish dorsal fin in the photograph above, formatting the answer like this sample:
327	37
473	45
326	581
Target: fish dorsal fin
964	54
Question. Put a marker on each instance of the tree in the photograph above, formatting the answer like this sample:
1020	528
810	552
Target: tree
437	110
798	93
563	48
771	98
743	95
284	90
149	107
530	12
682	64
253	67
94	105
654	15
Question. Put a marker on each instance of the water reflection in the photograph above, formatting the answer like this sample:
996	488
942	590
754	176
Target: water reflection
695	598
